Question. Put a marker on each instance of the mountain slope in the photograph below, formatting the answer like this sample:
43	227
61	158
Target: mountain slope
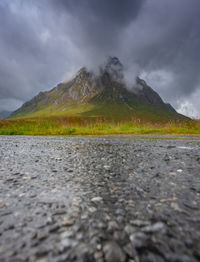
105	95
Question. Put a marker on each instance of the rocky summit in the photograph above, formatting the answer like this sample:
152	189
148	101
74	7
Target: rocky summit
99	95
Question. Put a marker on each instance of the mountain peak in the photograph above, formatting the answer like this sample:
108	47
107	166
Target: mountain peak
82	74
104	94
113	60
82	70
114	68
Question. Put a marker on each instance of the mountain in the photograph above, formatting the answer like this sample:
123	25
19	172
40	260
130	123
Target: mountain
171	107
104	95
4	114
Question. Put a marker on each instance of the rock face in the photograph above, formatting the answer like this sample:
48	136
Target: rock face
87	89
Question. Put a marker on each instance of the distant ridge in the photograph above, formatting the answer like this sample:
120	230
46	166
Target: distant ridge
4	114
103	95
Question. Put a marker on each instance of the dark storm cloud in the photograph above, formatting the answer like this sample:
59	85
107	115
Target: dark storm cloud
43	42
98	25
113	11
26	56
173	36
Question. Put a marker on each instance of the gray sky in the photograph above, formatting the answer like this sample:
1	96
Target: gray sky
43	42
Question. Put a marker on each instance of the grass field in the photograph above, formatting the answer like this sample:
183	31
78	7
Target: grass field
94	126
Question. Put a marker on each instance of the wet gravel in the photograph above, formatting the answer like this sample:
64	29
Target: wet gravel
99	199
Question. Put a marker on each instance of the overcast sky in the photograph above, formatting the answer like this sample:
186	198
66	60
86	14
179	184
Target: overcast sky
44	42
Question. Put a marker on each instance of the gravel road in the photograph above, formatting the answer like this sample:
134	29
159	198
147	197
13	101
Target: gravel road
99	199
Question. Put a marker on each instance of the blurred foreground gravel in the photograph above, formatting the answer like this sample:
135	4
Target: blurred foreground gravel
99	199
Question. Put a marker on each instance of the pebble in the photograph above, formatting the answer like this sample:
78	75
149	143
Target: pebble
107	167
67	222
96	199
138	240
179	170
112	225
54	229
129	229
113	252
157	227
59	212
179	258
92	209
66	243
139	223
42	236
176	207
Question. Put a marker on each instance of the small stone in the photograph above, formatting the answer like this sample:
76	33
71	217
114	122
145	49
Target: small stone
157	227
98	256
22	194
84	253
176	207
32	195
129	229
99	247
166	158
67	222
10	179
138	240
75	215
107	167
120	219
120	212
67	234
41	252
59	212
54	229
96	199
119	235
139	223
113	252
42	236
152	258
10	227
28	219
179	170
131	251
112	225
100	225
92	209
66	243
50	221
179	258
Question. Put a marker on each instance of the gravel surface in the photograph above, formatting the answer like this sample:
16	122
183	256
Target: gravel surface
99	199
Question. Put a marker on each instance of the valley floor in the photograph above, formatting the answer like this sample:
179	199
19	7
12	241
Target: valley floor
99	199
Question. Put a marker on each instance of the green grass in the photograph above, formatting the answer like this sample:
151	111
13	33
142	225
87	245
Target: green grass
94	126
